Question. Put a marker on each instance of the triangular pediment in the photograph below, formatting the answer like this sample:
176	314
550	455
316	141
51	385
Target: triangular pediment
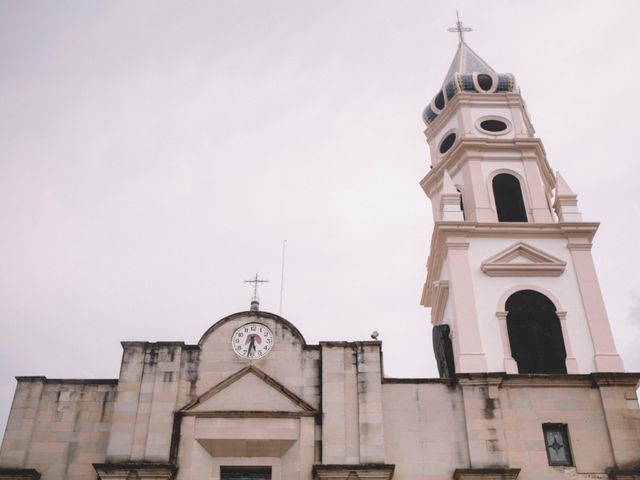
523	260
248	390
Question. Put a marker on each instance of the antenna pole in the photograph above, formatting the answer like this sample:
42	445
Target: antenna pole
284	244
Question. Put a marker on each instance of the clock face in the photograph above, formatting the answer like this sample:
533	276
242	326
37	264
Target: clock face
252	341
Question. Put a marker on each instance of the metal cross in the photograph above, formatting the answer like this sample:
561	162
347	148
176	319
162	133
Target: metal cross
256	281
460	28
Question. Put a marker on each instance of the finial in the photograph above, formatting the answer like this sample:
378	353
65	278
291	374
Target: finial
460	28
255	300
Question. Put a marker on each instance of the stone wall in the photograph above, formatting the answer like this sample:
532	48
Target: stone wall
488	421
184	411
155	380
59	427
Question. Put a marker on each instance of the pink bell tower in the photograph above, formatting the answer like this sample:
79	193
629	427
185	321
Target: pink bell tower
511	281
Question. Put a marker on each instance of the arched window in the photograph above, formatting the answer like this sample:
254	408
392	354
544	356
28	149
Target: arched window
464	217
508	197
535	333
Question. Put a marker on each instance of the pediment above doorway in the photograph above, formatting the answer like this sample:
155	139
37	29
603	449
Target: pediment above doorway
523	260
249	392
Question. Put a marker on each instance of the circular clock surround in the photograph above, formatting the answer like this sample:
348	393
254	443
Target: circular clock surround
252	341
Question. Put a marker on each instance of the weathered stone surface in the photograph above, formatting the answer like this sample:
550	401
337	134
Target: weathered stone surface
183	412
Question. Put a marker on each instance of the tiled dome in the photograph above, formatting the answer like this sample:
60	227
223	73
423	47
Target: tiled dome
467	73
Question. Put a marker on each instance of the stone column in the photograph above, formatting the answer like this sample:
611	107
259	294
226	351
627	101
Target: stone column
370	403
606	357
126	404
466	334
340	438
622	414
540	211
22	418
570	362
510	365
484	421
480	210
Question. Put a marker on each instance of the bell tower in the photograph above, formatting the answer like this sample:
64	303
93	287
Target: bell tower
510	278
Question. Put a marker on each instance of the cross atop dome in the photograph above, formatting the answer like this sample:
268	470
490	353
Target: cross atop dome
460	28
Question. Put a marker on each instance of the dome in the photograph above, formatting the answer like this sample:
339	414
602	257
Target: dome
467	73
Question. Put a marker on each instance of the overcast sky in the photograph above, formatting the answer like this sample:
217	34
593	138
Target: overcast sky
154	154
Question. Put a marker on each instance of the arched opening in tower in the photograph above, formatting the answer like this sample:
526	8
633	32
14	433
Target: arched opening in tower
535	334
508	197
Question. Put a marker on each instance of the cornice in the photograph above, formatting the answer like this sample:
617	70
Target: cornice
486	473
589	380
462	99
362	471
159	471
502	379
474	147
247	414
68	381
19	474
578	234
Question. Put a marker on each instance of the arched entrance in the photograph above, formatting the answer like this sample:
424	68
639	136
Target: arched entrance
535	334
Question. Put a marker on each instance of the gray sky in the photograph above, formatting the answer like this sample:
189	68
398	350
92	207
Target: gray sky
155	154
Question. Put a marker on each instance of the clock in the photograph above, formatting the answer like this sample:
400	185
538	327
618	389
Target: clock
252	341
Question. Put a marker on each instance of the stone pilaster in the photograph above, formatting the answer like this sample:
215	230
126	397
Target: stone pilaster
370	403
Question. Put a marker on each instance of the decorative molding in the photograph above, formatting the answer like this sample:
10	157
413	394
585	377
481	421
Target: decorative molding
19	474
362	471
247	414
470	146
468	99
486	473
542	264
440	296
597	379
584	231
258	315
615	379
142	471
502	301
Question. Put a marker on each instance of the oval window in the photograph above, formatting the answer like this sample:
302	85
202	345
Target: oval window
447	143
493	125
439	101
485	81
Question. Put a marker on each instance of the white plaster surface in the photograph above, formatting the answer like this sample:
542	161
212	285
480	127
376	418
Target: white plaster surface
488	291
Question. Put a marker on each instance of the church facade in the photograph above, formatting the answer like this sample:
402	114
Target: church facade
531	385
